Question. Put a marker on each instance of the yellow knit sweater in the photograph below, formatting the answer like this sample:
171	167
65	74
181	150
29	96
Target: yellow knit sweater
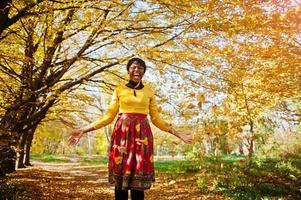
124	101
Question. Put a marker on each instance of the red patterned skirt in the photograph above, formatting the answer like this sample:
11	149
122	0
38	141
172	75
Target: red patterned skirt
131	163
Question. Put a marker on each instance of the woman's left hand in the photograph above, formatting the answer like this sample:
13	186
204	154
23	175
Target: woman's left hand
186	136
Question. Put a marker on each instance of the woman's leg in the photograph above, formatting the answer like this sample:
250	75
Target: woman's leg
121	194
137	194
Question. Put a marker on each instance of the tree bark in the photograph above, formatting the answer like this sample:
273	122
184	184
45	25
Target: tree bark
241	148
21	153
28	146
5	6
7	154
251	146
6	21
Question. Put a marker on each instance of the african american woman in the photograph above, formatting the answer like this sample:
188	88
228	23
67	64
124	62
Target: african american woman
131	155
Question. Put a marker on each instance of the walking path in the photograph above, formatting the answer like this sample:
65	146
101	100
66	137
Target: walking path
89	182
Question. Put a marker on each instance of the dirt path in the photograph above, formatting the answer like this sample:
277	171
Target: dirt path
75	181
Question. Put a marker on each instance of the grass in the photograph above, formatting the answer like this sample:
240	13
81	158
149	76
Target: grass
49	158
94	161
267	178
176	166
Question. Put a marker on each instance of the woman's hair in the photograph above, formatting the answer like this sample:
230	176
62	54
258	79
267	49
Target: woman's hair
138	61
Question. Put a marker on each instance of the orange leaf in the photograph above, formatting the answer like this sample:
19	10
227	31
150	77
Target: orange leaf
200	105
201	97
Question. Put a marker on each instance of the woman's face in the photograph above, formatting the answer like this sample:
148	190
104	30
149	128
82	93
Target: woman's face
136	72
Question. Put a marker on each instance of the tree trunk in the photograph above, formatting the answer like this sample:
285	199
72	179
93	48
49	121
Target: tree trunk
89	145
8	155
5	6
7	160
108	133
28	146
251	146
211	146
215	146
22	147
241	148
224	146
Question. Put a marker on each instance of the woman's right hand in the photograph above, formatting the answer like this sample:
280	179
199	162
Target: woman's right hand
75	136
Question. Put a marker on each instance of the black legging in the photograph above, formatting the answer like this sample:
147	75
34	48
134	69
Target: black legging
123	194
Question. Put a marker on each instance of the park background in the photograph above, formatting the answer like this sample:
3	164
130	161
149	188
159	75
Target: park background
228	71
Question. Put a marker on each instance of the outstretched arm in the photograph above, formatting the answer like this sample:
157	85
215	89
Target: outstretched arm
78	133
186	136
161	124
103	121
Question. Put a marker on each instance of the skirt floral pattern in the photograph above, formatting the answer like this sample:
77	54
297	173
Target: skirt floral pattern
131	163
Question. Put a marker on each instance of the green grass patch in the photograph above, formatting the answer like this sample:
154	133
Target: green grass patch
176	166
49	158
94	161
267	178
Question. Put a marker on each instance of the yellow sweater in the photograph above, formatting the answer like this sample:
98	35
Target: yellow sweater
124	101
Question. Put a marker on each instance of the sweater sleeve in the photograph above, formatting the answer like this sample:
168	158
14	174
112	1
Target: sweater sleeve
111	112
155	117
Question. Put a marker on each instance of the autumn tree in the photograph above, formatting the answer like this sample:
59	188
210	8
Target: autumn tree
244	55
66	45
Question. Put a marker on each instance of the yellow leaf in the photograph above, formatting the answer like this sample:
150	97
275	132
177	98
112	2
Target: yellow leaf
118	160
190	106
201	97
137	127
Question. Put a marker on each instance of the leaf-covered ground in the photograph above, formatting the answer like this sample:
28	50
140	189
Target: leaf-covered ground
77	181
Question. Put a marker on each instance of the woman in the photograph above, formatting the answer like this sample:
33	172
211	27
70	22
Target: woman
131	164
